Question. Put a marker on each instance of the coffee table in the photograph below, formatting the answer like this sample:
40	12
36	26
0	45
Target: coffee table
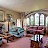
6	36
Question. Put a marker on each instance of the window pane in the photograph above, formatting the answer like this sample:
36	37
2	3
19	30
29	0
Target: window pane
41	19
31	20
27	21
18	23
24	22
47	21
36	19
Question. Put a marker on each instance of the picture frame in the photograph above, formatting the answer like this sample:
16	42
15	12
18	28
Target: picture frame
2	16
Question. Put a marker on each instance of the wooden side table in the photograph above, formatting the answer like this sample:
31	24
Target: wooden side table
34	44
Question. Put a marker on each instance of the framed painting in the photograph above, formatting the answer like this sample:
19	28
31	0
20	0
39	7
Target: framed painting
1	16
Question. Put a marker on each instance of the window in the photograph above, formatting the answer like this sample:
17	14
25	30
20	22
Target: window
41	19
31	20
36	19
27	21
18	23
24	22
47	21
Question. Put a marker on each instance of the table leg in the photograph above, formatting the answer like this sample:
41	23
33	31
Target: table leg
7	39
31	44
39	37
13	37
34	37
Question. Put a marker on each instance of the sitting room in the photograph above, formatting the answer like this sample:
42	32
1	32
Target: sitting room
23	23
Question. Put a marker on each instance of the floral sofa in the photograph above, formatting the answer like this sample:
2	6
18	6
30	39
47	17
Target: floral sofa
36	30
18	33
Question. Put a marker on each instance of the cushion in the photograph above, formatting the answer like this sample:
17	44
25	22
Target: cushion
40	27
35	27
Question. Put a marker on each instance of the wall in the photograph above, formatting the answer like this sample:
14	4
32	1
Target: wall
15	15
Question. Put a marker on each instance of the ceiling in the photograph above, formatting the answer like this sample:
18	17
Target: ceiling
24	5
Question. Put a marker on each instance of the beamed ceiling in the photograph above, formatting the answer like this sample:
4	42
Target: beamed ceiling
24	5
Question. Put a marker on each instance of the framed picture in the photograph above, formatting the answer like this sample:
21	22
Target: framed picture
1	16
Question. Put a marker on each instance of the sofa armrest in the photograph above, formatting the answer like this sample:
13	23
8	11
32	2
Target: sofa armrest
42	29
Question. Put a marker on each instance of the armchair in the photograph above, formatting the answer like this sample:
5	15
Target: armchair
18	33
0	41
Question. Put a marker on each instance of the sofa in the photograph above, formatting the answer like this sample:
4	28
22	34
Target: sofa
36	30
18	33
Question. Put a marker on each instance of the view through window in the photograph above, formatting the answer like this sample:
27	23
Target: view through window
18	23
41	19
36	19
47	21
27	21
31	20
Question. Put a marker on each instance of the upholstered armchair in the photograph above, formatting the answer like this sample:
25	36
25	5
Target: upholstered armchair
0	40
18	33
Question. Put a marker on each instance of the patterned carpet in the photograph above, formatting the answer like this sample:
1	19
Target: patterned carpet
23	42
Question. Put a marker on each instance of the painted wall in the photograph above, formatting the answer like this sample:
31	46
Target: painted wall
15	15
